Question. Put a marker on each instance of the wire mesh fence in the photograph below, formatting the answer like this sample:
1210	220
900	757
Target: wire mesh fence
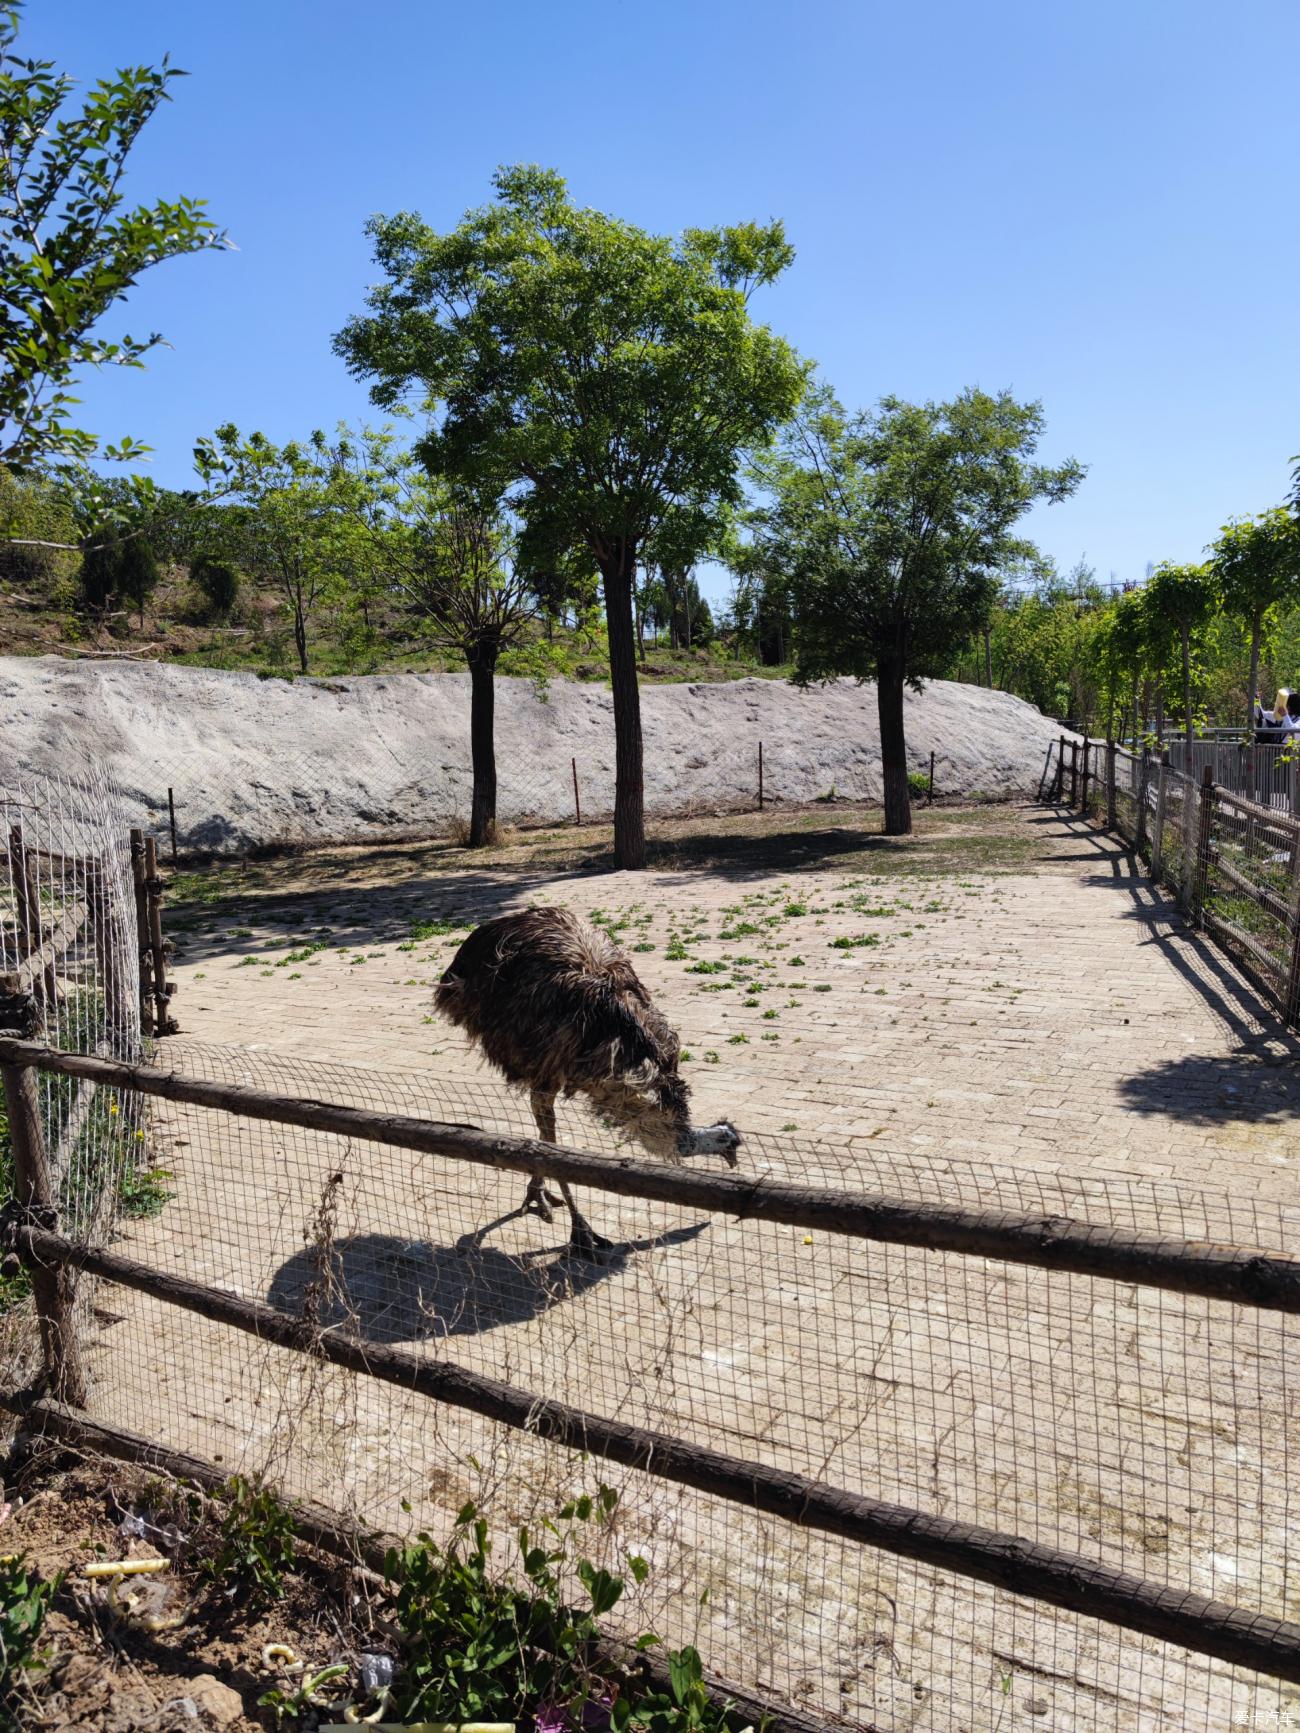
1145	1429
68	948
195	801
1231	861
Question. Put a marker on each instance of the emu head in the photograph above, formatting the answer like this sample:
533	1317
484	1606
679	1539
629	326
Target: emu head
653	1107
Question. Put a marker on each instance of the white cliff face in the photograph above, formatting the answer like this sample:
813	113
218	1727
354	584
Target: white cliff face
253	760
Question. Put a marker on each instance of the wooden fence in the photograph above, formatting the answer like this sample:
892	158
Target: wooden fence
45	937
1232	862
1045	1574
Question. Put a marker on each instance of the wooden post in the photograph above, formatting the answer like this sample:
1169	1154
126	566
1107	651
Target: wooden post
760	776
108	955
1158	840
929	799
1074	773
577	804
52	1286
1204	830
1144	784
1059	788
164	1022
27	895
171	814
1110	784
1083	786
144	948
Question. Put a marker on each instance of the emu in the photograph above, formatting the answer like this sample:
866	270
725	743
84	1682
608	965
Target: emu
557	1008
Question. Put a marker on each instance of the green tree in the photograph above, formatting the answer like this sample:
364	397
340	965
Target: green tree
291	525
1184	599
1256	565
450	556
600	375
69	248
891	528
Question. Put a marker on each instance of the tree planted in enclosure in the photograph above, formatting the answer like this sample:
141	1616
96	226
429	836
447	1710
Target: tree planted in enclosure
1256	564
598	374
450	555
69	250
891	528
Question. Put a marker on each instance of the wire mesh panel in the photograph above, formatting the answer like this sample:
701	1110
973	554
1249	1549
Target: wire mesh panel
1140	1428
1129	792
68	941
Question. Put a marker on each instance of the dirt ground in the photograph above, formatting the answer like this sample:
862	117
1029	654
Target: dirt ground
1000	1010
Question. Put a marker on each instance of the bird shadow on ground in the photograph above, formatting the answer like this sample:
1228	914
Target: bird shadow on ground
385	1289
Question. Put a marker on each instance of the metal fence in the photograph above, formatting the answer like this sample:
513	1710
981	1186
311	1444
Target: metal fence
1231	861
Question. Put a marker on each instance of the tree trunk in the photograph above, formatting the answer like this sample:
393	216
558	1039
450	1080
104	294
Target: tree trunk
482	743
1187	691
618	571
300	636
1160	712
893	746
1252	692
988	660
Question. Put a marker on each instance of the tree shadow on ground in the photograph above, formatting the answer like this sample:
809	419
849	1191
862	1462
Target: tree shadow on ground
1218	1089
1259	1081
385	1289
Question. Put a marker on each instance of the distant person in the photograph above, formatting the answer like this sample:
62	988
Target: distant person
1271	726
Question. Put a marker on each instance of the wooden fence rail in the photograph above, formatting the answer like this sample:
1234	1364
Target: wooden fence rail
1240	1275
1042	1573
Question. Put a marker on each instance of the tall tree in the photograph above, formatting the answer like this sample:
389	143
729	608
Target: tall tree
450	556
601	375
1185	599
1256	562
69	250
892	527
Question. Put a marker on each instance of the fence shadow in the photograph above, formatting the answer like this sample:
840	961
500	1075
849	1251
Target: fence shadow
386	1289
1215	1089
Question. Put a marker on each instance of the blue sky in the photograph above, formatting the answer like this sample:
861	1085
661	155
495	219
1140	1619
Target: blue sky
1091	203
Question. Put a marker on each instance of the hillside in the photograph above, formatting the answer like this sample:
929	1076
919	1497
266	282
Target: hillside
252	761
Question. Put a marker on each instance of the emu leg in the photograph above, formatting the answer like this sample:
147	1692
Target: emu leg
536	1199
583	1238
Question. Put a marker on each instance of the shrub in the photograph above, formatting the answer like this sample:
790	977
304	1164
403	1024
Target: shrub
24	1603
218	582
918	784
118	569
255	1548
28	509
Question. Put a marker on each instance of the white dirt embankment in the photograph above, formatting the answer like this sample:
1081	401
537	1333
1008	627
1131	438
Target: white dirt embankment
253	760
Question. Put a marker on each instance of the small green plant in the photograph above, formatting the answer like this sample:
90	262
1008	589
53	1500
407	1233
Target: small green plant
256	1544
918	784
855	943
143	1192
24	1603
289	1705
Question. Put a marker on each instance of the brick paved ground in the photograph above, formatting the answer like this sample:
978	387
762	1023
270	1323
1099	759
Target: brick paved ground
1000	1011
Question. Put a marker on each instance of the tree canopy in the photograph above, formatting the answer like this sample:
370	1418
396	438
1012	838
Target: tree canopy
891	528
600	376
70	249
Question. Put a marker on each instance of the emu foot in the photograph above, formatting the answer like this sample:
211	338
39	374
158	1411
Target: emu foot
585	1242
538	1202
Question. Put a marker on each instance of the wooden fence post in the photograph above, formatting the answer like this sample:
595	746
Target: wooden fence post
31	930
1074	773
1144	784
144	947
164	1022
929	799
1110	784
1204	830
1086	756
171	814
577	804
1158	839
760	776
52	1286
1058	788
